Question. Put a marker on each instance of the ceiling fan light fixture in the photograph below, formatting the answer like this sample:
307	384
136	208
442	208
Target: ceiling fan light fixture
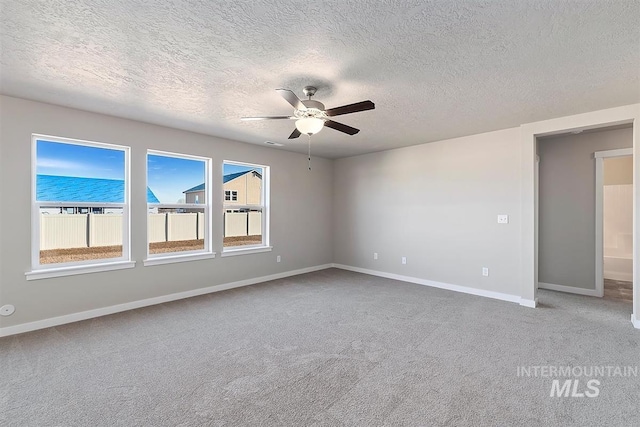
309	125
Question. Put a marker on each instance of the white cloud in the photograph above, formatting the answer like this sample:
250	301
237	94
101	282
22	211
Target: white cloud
60	164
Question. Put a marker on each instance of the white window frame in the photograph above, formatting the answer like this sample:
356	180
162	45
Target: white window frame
265	206
232	194
182	256
43	271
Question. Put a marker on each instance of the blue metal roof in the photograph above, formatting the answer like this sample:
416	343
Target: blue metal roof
151	198
196	188
233	176
225	179
51	188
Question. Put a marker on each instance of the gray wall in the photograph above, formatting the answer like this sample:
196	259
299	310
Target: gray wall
301	208
436	204
567	205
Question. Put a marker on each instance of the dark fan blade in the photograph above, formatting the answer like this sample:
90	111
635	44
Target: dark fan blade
291	98
342	128
351	108
267	118
296	133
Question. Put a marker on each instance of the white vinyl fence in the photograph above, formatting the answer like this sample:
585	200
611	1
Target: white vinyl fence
242	224
65	231
172	227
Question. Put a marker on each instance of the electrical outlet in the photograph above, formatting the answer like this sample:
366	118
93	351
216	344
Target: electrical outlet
404	259
375	255
485	271
278	259
503	219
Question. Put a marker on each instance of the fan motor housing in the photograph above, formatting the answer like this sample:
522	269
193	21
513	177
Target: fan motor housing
313	104
313	109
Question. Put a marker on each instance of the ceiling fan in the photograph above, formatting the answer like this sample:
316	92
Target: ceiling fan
311	116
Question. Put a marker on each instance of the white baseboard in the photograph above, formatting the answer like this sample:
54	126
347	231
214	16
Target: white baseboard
635	321
569	289
614	275
531	303
90	314
434	284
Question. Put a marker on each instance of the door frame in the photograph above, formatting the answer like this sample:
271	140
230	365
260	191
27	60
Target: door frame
529	132
600	156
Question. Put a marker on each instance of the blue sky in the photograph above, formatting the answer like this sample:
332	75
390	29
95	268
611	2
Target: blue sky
168	177
229	169
54	158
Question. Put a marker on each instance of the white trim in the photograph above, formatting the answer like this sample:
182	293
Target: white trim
623	277
177	257
599	261
245	251
78	269
528	203
177	206
570	289
635	321
530	303
206	206
104	311
456	288
35	216
265	206
40	271
600	156
175	155
237	163
74	141
126	211
621	152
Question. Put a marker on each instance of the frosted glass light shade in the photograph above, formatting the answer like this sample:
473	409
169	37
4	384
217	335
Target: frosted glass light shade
309	125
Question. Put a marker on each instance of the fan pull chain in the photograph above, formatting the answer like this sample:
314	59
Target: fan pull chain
309	135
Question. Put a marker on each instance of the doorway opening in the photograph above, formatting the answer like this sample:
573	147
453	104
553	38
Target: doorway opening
614	224
530	134
585	231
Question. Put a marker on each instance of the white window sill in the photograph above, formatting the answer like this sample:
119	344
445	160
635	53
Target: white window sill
78	269
173	258
245	251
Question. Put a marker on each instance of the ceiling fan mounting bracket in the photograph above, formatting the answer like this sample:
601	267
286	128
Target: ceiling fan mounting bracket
309	91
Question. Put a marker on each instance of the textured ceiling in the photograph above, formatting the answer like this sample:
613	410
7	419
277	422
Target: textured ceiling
435	69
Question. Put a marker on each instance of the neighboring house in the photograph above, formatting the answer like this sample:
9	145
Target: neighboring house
242	188
52	188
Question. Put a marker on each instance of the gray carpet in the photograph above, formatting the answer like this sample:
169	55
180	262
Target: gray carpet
330	348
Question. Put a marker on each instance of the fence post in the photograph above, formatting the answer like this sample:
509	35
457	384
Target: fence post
89	239
166	226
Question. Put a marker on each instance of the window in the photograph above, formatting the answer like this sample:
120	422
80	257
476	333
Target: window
80	212
231	196
245	210
178	201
